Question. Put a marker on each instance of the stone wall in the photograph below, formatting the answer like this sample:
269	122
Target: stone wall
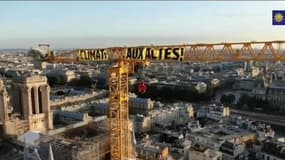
72	99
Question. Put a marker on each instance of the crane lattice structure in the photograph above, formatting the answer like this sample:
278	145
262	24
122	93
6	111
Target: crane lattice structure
127	57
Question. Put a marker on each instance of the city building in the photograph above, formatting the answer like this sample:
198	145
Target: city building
151	152
214	112
214	135
232	150
162	117
68	75
263	131
67	117
276	94
140	105
272	150
136	105
199	152
249	85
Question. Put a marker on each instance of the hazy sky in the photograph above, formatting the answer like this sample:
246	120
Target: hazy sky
70	24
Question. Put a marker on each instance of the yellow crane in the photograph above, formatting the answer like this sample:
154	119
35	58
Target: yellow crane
126	57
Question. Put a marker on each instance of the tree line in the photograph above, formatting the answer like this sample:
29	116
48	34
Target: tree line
172	94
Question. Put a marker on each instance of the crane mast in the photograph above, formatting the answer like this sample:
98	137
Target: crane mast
125	57
119	111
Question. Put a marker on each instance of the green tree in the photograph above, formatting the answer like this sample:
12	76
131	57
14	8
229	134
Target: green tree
83	81
171	94
93	85
55	80
227	99
252	103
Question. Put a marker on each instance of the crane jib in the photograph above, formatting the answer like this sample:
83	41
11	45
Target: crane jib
149	53
92	54
134	53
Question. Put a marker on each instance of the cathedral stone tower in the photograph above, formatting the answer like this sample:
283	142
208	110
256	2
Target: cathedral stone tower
4	103
31	108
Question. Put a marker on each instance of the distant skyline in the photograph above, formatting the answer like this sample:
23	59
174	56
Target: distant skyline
70	24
